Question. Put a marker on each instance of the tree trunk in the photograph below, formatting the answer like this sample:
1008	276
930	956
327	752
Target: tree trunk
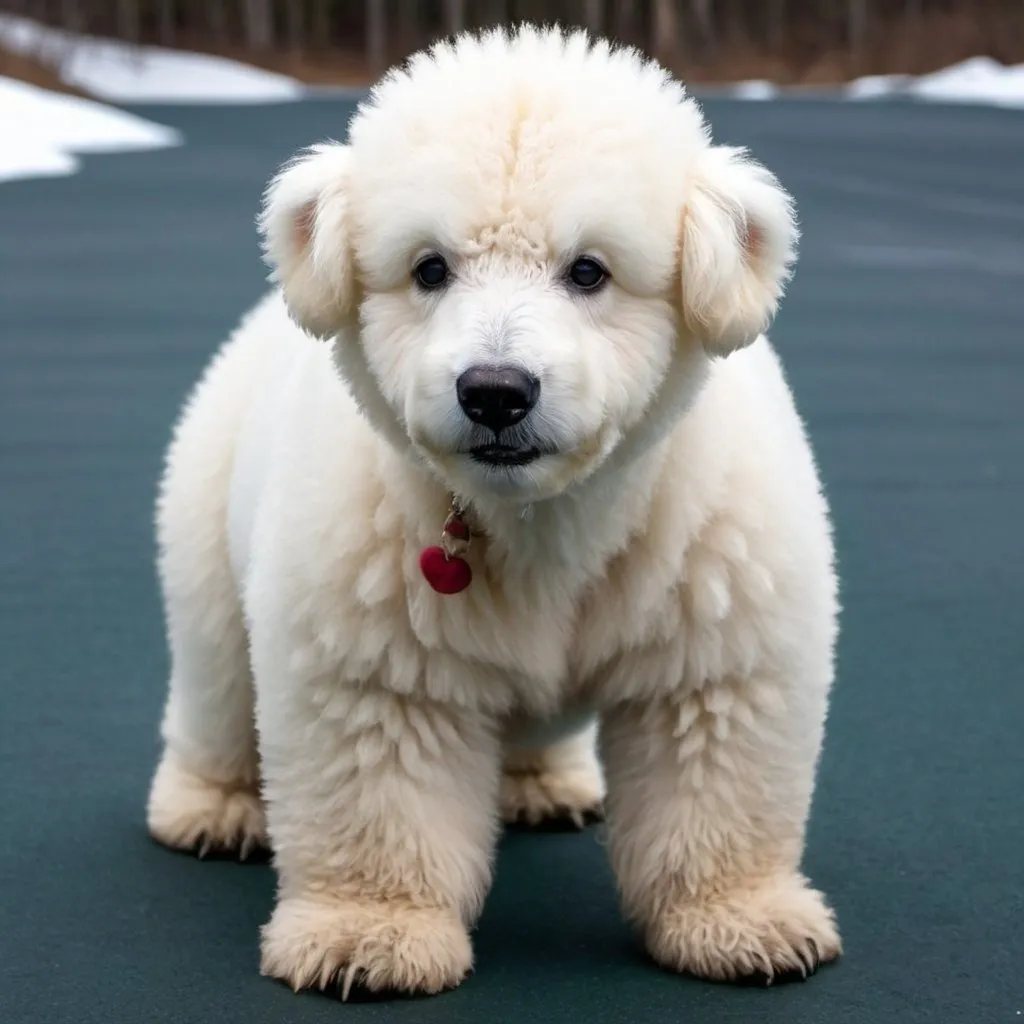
856	25
295	25
455	16
703	15
776	24
491	12
72	16
376	36
624	25
320	24
128	21
217	19
259	24
665	31
166	16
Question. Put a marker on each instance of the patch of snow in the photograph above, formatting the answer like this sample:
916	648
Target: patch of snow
980	80
34	158
755	89
117	71
44	129
872	87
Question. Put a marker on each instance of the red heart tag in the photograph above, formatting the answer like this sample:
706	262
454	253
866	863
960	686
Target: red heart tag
457	528
446	575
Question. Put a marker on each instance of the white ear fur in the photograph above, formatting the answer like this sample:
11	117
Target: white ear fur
738	246
305	239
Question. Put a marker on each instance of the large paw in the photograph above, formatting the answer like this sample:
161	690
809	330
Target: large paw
188	812
314	943
564	793
781	928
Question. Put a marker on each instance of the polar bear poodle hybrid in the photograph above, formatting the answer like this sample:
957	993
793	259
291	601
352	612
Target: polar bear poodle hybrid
499	500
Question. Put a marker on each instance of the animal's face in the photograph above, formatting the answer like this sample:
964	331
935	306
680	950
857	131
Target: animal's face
516	374
527	254
520	324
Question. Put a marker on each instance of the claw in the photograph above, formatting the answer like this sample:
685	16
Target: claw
767	967
810	957
346	985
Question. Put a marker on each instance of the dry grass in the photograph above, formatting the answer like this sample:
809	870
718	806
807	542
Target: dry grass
34	72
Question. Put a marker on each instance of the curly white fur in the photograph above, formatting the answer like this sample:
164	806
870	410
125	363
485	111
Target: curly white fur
667	565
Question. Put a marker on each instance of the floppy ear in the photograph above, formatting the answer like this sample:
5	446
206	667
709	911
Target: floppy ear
738	247
305	238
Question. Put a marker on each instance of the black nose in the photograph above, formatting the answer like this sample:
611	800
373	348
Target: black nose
497	397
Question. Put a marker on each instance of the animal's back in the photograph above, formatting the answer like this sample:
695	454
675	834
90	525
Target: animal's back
223	424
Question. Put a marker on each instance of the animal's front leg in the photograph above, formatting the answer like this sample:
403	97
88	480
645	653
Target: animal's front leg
707	800
381	813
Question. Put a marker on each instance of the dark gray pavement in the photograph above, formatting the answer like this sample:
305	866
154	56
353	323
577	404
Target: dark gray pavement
904	336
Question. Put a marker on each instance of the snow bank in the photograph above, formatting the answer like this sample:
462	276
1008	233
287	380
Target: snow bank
979	80
754	89
874	87
43	131
116	71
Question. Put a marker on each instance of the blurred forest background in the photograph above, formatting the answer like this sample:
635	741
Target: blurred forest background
792	42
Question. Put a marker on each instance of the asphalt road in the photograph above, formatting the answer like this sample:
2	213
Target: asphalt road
903	337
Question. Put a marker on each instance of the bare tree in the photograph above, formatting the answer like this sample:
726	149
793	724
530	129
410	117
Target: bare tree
670	29
129	23
295	25
665	34
217	19
776	23
624	19
455	15
72	16
703	15
166	20
259	24
376	35
406	25
320	24
856	24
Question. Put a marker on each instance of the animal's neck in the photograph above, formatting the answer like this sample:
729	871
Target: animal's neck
580	530
572	536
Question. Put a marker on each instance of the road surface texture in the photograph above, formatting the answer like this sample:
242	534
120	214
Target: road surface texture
903	336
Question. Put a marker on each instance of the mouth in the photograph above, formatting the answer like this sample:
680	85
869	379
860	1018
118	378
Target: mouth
503	455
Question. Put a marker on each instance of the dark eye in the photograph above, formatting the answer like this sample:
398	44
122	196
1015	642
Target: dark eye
431	272
587	274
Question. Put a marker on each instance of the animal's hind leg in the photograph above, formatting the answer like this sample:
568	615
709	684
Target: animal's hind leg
557	780
205	794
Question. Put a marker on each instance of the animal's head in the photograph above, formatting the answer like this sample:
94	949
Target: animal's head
526	255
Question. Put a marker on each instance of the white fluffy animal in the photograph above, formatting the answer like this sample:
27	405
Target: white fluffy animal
530	290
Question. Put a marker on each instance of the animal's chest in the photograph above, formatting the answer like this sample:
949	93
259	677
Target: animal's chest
544	645
511	648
